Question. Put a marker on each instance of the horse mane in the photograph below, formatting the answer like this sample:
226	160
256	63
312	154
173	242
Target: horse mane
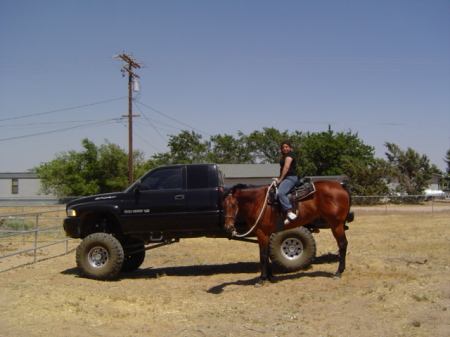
240	186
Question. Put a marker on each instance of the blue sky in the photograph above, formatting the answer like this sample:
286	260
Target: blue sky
378	68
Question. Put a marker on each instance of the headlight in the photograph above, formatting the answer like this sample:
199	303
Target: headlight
71	213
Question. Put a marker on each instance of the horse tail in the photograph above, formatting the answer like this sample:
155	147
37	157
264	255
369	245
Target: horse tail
350	215
344	185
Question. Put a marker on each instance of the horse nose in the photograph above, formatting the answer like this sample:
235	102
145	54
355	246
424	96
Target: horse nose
229	227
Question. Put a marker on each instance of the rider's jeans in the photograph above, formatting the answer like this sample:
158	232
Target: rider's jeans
283	189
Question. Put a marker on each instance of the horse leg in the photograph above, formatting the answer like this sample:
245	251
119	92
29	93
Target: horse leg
341	239
266	270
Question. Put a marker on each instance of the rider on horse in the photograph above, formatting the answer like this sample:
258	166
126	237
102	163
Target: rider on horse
287	179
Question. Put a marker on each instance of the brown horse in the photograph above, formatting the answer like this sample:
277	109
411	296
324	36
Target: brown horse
331	201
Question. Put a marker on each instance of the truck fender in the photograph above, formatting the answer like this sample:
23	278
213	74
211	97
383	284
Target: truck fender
97	212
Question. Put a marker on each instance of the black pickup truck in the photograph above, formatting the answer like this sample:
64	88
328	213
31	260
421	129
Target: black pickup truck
165	205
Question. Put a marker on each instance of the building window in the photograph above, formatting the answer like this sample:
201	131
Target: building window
15	186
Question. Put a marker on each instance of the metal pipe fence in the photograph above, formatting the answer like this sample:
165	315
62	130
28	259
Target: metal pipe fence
26	232
30	232
401	204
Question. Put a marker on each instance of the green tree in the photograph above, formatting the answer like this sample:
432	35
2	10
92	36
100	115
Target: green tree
113	162
93	170
366	179
409	169
228	150
447	160
324	152
187	148
317	153
265	146
160	159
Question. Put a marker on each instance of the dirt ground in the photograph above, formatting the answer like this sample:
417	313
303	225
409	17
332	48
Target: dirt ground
397	283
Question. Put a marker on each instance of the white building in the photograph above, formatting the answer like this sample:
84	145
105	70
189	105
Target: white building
23	186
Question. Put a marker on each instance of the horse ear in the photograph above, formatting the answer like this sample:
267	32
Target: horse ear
233	189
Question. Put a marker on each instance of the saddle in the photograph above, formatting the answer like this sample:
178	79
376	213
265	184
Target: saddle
302	189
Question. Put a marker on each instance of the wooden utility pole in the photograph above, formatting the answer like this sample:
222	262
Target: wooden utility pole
130	64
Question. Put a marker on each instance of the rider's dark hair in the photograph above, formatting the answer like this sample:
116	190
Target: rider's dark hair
286	142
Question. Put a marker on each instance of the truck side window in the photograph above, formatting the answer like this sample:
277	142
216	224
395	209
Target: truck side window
198	177
167	179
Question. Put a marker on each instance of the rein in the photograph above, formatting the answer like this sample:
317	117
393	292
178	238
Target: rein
234	233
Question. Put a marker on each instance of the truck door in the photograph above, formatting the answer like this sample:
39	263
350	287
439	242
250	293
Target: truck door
202	198
159	204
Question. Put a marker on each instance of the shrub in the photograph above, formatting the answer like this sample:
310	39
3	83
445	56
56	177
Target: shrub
16	224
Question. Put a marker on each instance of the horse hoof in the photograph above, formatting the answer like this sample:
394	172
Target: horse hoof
337	276
259	283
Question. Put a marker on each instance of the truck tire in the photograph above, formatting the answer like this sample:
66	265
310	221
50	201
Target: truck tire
132	262
100	256
292	250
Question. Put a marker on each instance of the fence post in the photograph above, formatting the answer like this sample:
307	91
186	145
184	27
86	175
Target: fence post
36	237
24	236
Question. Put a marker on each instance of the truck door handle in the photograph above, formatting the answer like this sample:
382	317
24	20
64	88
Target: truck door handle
179	197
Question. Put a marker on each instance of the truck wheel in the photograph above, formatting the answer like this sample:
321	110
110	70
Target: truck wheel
133	261
293	249
100	256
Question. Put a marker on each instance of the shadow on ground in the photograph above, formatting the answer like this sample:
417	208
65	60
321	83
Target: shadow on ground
216	269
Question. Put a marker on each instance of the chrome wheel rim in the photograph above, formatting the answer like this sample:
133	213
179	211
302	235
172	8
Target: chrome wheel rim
292	248
97	257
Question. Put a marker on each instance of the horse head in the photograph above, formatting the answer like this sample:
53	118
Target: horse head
230	208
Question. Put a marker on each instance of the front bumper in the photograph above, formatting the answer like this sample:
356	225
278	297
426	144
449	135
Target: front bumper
72	227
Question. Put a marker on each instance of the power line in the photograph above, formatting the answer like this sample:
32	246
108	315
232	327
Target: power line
46	123
60	110
145	141
348	63
151	124
107	121
191	127
159	122
371	123
53	65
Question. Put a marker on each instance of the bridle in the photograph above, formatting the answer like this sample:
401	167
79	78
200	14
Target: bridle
234	233
237	209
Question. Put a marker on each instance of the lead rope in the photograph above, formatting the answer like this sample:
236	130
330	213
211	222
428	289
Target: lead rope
262	210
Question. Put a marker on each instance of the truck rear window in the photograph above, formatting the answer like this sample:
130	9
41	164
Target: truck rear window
198	177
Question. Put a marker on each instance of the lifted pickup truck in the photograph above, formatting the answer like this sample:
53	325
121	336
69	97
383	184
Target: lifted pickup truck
165	205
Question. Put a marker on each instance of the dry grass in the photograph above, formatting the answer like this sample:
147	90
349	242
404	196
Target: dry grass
396	284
